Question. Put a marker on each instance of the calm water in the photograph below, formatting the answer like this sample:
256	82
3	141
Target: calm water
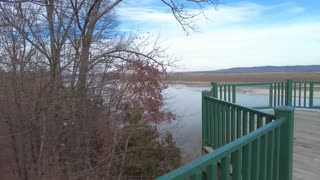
185	102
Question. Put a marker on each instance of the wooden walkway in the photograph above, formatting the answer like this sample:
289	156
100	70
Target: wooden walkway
306	157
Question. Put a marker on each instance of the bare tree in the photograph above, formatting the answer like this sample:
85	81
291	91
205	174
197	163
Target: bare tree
68	79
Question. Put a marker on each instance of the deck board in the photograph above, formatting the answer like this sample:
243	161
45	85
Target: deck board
306	157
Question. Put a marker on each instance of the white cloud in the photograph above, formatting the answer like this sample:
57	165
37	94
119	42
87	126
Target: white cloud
237	36
219	15
147	15
227	14
295	44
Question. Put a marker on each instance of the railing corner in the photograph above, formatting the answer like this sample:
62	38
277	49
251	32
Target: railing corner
286	141
214	89
289	92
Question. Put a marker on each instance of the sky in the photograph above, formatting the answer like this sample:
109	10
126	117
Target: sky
233	34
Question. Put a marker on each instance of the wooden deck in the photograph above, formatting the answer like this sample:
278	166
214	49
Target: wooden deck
306	157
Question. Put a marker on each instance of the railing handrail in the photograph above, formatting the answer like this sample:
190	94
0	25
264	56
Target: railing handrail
265	114
306	81
204	161
248	83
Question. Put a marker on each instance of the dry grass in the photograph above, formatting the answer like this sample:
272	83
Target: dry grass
243	77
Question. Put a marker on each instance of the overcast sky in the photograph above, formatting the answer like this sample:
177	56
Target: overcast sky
238	33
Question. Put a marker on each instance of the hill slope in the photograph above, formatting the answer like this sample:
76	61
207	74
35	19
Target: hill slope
298	68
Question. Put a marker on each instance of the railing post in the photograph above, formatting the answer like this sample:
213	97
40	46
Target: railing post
204	118
289	93
234	91
270	94
214	89
311	95
286	141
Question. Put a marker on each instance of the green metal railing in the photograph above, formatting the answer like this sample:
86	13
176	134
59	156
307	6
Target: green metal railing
249	144
224	122
288	93
303	91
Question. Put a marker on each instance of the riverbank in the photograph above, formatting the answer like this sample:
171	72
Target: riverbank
203	78
241	90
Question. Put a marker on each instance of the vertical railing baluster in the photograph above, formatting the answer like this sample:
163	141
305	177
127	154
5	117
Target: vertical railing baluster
219	125
237	164
288	93
299	94
311	95
212	171
282	97
255	159
276	155
259	123
225	93
239	120
294	93
234	94
229	93
246	162
216	126
263	157
278	94
270	95
213	124
220	91
245	122
208	122
252	122
228	130
233	124
225	168
223	124
275	94
305	94
270	154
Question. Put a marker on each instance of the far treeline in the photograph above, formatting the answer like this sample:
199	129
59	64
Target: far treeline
79	99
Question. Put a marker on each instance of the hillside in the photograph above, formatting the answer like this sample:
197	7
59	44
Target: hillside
298	68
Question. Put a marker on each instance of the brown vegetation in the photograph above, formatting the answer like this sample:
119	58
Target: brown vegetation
243	77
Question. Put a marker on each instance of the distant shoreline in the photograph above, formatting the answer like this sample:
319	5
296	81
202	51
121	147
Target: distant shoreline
241	90
203	78
259	69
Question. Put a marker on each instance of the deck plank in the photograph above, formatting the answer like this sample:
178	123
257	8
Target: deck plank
306	157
